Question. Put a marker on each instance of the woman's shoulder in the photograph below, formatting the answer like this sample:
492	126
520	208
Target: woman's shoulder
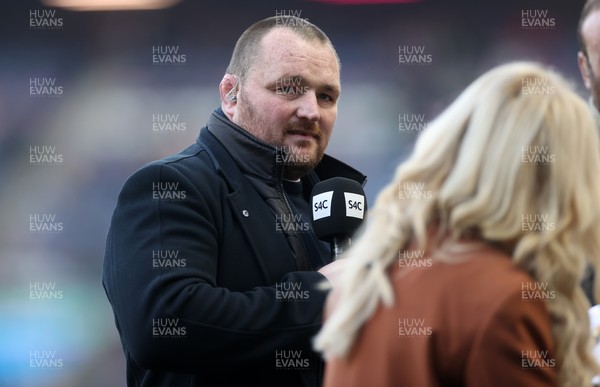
471	275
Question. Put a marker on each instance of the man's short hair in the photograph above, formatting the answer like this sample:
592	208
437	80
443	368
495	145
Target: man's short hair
589	7
247	49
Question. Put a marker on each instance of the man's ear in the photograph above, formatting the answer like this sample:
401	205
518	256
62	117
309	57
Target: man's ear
228	90
584	68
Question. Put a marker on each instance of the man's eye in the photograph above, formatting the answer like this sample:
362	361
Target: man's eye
325	97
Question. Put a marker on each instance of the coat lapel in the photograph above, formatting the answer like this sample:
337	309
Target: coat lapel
250	212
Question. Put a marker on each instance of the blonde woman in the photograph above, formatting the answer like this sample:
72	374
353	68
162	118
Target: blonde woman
468	272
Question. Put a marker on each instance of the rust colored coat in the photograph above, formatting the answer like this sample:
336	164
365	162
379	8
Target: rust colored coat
480	322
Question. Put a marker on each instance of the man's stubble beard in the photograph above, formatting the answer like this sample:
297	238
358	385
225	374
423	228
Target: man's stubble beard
295	165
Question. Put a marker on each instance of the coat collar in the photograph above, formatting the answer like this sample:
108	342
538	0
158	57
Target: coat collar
257	158
252	156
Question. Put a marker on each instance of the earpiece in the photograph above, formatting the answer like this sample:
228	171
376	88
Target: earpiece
231	97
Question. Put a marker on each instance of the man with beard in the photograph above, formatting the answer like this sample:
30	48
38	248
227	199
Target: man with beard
588	58
212	267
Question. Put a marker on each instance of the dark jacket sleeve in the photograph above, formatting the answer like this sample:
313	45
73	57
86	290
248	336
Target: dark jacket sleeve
213	328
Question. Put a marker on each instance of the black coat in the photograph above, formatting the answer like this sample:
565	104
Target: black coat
197	271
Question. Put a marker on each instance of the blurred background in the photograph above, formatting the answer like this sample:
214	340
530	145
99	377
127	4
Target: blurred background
87	97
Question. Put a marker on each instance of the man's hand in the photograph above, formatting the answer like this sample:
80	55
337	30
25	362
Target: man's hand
334	271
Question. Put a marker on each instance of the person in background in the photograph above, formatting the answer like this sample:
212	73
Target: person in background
588	57
212	267
468	273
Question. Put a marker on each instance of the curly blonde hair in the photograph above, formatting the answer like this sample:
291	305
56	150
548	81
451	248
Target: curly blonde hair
517	141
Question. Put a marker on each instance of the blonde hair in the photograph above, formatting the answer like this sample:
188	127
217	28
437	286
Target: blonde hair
517	141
